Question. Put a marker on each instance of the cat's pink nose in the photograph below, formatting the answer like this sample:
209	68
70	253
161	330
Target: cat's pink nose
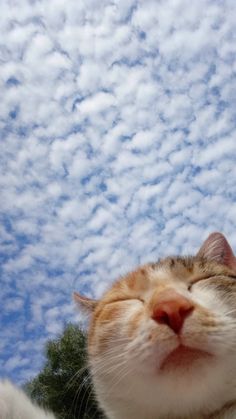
172	309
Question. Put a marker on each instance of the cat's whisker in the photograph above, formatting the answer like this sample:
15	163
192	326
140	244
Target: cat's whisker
109	371
111	353
85	392
83	386
229	312
76	376
123	373
88	399
112	368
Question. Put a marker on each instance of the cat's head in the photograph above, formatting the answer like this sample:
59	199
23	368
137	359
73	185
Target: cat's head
163	338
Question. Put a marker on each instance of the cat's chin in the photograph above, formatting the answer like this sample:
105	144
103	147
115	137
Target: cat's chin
184	358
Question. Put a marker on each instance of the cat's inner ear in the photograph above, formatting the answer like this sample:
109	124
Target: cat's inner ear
217	248
85	303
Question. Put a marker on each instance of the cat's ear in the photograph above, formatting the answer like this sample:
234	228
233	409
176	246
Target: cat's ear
87	304
217	248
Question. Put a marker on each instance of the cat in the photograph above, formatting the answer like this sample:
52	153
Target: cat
162	342
162	339
14	404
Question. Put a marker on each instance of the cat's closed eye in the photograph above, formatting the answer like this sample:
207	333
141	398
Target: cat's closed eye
125	299
215	280
140	299
198	280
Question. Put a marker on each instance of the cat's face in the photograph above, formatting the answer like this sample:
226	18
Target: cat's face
162	340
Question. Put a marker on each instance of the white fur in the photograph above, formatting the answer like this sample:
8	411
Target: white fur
14	404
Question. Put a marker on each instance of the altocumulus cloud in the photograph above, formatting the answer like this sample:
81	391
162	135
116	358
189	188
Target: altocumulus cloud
117	147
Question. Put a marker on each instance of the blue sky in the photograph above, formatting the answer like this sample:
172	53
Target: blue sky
118	130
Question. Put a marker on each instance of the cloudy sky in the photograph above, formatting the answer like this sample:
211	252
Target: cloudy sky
118	146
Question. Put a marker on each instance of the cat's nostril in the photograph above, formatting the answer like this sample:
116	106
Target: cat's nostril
161	317
172	309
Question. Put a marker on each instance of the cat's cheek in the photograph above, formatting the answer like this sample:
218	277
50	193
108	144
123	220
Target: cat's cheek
210	325
115	327
134	324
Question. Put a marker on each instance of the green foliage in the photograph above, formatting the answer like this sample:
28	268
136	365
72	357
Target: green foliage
64	385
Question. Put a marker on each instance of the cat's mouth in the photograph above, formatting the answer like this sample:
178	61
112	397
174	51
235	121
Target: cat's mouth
184	357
